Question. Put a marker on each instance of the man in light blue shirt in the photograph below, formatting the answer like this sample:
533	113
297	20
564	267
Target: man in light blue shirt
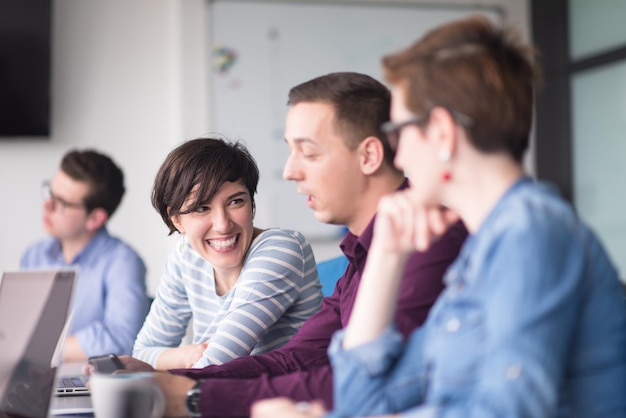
110	301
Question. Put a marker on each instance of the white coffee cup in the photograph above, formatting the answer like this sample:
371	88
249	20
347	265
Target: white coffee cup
126	395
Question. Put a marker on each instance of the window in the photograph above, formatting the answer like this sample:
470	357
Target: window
581	111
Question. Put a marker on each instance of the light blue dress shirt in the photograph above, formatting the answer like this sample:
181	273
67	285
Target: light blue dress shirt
110	301
532	324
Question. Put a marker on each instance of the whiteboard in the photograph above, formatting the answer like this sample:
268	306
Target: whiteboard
261	49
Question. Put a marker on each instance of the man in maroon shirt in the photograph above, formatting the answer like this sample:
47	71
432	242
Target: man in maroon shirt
343	163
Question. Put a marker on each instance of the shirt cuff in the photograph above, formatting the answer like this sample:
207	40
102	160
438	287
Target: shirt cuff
373	358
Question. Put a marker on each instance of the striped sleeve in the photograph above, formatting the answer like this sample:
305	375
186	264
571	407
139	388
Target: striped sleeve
170	313
276	292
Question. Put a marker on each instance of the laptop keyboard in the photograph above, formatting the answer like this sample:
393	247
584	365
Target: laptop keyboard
71	385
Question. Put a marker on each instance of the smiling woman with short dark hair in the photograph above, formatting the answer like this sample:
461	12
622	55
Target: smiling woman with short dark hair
243	290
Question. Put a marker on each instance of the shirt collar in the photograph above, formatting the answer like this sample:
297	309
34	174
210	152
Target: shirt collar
55	250
355	247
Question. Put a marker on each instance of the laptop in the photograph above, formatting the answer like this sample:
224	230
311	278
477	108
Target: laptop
71	384
34	312
74	402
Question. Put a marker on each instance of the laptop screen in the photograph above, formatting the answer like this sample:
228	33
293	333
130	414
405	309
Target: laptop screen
34	308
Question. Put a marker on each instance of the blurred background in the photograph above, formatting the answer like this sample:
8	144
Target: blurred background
133	78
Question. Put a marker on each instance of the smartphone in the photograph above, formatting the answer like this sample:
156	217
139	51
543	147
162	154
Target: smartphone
107	363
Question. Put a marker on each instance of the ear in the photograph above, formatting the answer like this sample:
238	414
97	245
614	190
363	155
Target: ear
442	129
96	219
176	221
371	155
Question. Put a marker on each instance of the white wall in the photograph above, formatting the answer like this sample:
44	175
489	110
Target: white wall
130	77
122	72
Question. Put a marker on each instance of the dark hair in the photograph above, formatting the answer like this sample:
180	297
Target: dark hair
472	67
207	163
104	177
361	103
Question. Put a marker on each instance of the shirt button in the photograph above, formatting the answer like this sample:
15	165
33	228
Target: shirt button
514	372
453	325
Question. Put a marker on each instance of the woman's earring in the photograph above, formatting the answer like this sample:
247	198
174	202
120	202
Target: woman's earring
444	157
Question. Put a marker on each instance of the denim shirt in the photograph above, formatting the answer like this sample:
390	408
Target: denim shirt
532	324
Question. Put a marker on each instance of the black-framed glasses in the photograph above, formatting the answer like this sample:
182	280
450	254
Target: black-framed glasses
394	129
58	202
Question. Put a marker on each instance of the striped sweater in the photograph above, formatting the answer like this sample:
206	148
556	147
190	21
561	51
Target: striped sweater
277	291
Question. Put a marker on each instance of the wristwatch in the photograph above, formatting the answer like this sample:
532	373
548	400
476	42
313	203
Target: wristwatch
193	400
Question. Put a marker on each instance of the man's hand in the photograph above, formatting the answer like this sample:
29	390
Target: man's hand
174	390
286	408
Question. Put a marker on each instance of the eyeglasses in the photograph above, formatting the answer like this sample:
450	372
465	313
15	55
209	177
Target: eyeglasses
394	129
58	202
